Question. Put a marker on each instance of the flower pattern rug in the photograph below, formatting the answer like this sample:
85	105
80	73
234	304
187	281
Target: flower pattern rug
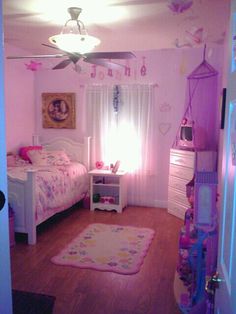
115	248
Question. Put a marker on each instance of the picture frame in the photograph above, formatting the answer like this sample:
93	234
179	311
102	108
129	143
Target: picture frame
58	110
116	166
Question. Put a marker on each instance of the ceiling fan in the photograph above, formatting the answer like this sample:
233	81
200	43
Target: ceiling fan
74	43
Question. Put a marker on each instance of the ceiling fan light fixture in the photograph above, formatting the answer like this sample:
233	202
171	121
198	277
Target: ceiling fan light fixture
74	37
75	42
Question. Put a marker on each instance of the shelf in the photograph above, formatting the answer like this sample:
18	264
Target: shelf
107	173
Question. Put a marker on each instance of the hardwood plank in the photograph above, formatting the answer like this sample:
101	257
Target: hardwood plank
84	291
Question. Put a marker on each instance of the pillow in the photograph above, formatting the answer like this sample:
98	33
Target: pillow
23	152
21	162
48	158
16	160
58	158
38	157
11	161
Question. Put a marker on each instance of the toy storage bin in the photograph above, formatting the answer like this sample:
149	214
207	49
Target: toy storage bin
11	227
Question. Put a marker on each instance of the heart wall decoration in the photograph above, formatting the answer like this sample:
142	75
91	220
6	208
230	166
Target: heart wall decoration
164	128
165	107
99	164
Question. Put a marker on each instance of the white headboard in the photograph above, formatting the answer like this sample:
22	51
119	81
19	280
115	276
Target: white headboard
76	151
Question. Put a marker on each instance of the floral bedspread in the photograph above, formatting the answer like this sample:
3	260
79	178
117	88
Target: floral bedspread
57	187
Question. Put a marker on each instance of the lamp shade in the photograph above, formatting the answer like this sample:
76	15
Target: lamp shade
80	43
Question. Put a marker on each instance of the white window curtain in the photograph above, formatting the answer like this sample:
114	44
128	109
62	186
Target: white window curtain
126	135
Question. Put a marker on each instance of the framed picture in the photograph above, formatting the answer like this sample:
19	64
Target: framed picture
58	110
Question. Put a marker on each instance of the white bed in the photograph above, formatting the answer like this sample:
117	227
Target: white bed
23	185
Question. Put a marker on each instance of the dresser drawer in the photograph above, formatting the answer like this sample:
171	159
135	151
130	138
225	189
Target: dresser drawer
181	172
178	184
178	197
185	159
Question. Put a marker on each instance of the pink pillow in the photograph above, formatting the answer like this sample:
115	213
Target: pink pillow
24	151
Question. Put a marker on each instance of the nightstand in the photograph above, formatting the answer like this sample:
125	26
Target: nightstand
108	190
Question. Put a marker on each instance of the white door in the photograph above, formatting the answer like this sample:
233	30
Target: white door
225	298
5	277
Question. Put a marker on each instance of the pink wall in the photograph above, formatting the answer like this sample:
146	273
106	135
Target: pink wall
19	101
167	69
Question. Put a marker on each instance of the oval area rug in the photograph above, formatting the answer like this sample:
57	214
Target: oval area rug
115	248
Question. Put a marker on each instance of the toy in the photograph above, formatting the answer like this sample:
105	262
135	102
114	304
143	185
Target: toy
99	164
198	244
107	199
33	66
96	197
190	191
205	199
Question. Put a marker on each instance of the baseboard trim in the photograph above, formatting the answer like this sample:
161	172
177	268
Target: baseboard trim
160	204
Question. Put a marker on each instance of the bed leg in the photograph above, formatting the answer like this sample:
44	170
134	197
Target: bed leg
30	206
32	237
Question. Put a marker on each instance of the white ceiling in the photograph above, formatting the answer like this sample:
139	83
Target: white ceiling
120	24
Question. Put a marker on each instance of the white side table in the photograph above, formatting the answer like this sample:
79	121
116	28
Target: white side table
107	185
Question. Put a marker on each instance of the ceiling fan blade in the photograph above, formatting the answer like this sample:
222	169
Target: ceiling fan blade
105	63
70	54
62	64
20	15
110	55
37	56
50	46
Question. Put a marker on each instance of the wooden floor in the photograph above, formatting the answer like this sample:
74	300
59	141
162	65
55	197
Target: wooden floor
85	291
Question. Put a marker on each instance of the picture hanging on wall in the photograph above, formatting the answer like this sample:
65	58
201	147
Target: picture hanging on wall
58	110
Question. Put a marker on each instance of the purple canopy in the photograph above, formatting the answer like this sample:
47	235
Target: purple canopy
201	108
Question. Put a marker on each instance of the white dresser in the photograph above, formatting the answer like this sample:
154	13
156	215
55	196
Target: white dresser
181	171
